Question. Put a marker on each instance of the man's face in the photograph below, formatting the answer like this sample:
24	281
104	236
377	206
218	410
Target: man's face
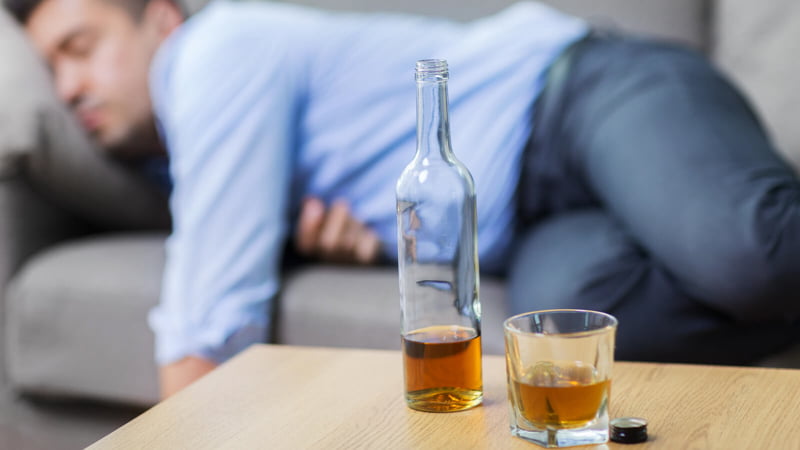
100	55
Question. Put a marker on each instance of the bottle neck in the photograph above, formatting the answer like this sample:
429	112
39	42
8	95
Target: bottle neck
433	125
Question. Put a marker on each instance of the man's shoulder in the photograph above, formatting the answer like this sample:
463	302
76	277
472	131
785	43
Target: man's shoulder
227	36
219	53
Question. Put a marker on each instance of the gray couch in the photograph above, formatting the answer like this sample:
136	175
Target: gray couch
81	238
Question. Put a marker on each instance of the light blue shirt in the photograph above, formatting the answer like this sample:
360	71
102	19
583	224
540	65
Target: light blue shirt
261	104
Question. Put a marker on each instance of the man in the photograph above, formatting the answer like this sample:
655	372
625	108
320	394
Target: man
646	187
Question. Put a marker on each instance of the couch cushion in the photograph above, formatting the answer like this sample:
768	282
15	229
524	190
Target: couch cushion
39	138
757	44
360	307
21	100
77	319
77	316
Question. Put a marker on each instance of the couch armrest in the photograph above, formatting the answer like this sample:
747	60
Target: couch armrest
28	223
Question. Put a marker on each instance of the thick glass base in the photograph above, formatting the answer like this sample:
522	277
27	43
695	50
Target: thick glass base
594	433
444	399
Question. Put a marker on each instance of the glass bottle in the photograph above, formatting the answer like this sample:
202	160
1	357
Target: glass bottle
438	261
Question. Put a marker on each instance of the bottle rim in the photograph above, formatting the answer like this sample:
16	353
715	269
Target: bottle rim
432	70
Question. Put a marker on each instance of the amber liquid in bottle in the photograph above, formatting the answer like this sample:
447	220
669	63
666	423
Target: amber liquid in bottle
443	368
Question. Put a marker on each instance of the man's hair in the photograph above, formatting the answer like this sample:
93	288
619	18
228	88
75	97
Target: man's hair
22	9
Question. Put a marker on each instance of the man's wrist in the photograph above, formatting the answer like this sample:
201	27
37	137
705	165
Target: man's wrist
179	374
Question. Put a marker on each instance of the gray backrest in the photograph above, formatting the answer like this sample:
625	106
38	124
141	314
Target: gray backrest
758	44
681	20
684	20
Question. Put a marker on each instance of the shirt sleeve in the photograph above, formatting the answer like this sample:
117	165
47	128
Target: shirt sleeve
226	116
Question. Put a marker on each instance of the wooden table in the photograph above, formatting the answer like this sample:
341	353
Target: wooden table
301	397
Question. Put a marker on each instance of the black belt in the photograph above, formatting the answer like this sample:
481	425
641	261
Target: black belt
531	203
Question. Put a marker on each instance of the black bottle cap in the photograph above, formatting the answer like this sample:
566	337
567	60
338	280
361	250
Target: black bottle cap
628	430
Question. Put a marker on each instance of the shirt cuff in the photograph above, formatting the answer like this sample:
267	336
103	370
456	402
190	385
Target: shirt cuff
218	342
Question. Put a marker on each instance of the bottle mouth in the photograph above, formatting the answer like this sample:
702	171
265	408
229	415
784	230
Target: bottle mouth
432	70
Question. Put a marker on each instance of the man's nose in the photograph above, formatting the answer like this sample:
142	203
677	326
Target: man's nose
69	83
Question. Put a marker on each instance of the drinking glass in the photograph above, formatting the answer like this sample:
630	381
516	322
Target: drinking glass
558	364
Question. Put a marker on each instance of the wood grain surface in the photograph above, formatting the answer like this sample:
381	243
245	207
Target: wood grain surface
305	397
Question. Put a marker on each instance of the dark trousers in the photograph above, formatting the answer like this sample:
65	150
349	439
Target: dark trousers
651	192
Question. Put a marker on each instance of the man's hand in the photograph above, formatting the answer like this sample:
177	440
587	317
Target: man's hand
180	374
334	235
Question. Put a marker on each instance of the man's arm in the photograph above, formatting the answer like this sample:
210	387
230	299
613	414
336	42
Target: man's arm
227	119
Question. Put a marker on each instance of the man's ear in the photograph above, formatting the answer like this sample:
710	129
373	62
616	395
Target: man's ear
163	17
